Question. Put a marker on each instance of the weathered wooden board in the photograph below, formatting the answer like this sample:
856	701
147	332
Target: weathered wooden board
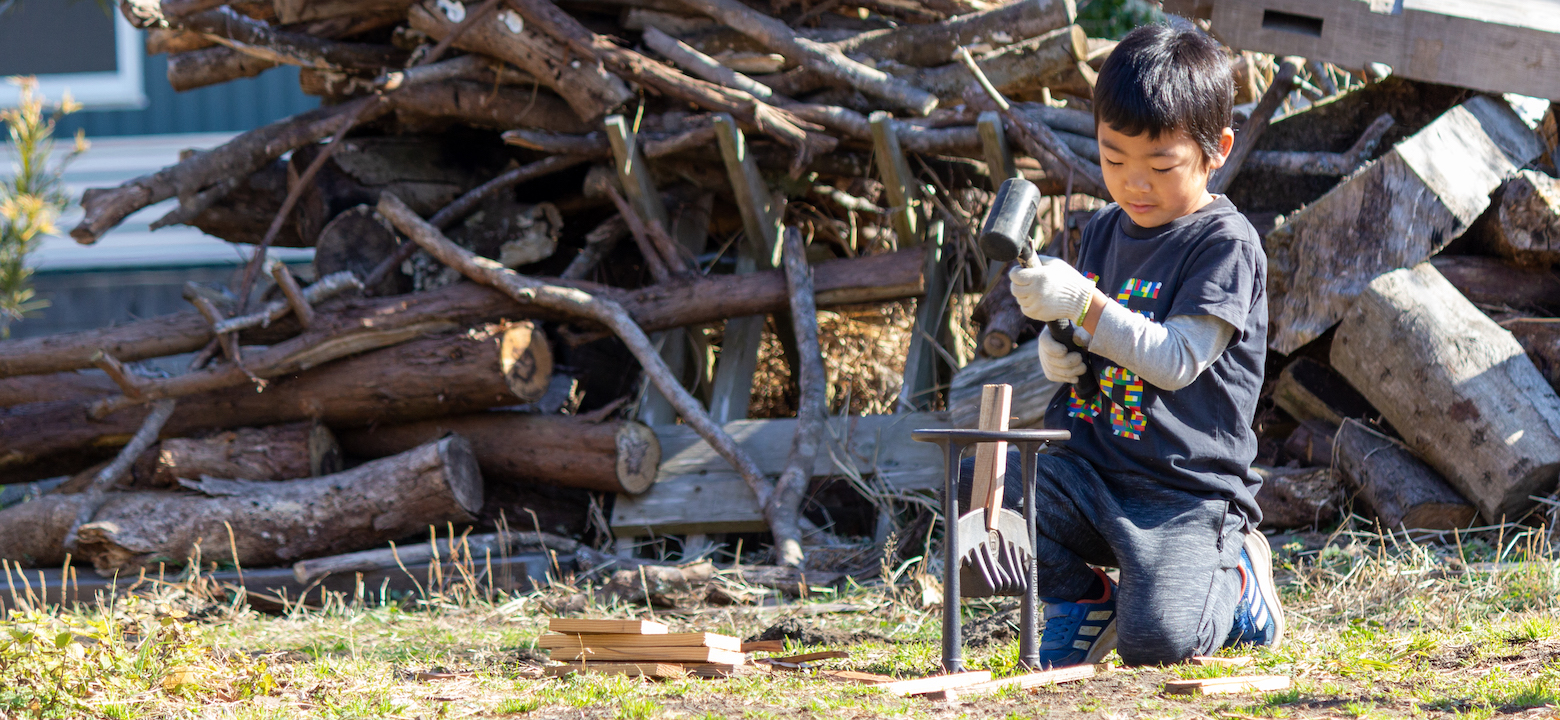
696	491
1400	210
585	627
622	641
1490	45
1456	386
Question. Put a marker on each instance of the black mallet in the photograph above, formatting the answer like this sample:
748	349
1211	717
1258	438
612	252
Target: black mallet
1005	237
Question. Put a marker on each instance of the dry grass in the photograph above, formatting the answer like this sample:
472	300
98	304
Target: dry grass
1380	627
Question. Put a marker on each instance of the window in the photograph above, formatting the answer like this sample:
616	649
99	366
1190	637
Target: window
73	46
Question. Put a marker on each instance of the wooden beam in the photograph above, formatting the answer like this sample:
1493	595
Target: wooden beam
1496	47
898	181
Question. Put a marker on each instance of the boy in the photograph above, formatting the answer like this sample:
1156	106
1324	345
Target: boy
1170	289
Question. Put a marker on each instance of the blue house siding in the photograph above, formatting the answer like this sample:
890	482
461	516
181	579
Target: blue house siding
232	106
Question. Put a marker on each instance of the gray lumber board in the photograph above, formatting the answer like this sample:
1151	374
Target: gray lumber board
632	172
932	313
1490	45
1397	212
697	492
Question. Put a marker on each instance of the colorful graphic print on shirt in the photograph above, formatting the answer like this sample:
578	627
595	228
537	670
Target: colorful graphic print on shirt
1120	386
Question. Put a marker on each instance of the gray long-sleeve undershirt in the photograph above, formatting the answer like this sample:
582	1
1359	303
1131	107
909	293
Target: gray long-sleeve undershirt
1169	355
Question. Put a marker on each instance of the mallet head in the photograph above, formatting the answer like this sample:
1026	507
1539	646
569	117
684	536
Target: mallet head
1005	235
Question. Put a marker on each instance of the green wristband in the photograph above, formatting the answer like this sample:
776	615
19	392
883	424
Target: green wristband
1085	313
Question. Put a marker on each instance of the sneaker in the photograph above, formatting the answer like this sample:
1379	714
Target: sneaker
1259	620
1079	632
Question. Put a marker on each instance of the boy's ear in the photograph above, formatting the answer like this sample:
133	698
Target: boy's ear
1226	142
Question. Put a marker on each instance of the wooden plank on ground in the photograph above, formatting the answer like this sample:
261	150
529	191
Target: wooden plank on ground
764	646
655	670
1022	682
620	641
576	626
1491	45
692	475
650	654
814	656
934	683
725	670
1207	661
1228	685
1398	211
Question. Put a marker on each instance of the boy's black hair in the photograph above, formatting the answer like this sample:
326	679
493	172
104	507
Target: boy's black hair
1161	79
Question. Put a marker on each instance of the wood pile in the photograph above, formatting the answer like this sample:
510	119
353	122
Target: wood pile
552	236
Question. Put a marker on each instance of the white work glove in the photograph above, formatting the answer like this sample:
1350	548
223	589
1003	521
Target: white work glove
1051	291
1059	365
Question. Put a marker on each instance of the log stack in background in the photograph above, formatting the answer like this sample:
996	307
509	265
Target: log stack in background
646	154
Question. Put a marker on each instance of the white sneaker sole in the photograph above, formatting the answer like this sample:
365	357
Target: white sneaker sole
1261	554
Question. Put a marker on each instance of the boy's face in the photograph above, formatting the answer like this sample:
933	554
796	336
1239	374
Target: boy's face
1158	180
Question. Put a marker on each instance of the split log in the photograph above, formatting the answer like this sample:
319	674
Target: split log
476	548
1496	283
1525	225
1312	443
1456	386
936	43
1298	498
1399	211
1053	60
1003	324
694	301
103	208
274	523
278	452
1309	390
422	169
614	457
431	377
822	59
586	86
1398	487
212	66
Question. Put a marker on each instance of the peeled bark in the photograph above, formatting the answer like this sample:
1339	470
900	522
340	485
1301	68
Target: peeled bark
278	452
614	457
275	523
1456	386
427	377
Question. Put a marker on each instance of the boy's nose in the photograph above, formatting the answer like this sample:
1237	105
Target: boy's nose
1138	183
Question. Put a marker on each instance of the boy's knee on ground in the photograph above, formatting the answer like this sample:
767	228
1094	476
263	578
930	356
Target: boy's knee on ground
1156	641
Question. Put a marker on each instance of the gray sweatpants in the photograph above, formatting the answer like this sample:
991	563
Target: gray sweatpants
1177	552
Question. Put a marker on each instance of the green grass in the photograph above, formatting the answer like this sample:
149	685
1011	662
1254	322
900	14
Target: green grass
1377	629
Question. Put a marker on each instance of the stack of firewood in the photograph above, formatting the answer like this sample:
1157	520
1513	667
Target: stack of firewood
538	223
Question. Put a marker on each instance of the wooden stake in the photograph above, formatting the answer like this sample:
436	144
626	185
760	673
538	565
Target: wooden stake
996	402
898	181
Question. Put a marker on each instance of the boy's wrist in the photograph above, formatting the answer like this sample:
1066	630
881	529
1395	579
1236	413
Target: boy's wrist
1091	314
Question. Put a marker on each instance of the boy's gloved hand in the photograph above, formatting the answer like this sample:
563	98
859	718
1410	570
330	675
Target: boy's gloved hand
1051	291
1058	364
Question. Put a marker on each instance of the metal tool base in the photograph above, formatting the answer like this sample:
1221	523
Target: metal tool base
953	442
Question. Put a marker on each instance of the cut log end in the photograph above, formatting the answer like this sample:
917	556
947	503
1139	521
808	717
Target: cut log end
996	344
638	457
526	360
461	473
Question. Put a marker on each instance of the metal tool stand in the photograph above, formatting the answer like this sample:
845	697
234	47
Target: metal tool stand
953	442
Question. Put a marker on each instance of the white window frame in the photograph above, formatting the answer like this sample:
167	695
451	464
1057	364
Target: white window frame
123	89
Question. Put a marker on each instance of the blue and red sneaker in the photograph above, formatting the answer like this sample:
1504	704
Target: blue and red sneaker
1079	632
1259	620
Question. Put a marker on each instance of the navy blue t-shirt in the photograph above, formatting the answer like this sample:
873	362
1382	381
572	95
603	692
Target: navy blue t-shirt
1198	438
